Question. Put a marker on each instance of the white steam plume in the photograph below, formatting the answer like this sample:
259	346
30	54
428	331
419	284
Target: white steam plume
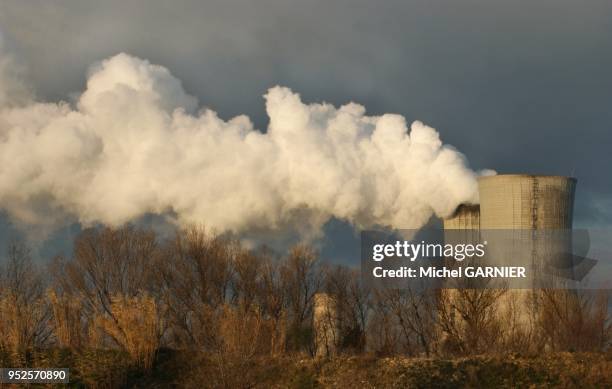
134	144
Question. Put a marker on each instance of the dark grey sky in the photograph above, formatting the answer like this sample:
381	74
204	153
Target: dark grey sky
518	86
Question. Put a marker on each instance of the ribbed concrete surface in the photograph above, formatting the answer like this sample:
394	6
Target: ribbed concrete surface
466	217
526	202
325	323
519	203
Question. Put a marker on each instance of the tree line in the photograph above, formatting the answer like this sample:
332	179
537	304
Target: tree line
128	289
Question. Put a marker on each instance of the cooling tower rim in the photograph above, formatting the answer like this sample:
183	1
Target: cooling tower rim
469	206
501	176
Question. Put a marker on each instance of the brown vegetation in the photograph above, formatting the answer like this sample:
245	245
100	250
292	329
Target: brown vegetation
128	303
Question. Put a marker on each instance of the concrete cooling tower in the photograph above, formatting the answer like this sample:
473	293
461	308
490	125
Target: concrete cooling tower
536	215
529	217
526	202
466	217
518	202
325	323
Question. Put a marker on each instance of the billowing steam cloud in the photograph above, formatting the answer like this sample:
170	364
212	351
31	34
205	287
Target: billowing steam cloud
134	143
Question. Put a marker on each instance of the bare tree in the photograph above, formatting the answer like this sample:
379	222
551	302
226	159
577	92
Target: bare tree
194	275
108	265
414	314
302	278
272	299
573	320
470	319
352	304
383	334
248	274
24	312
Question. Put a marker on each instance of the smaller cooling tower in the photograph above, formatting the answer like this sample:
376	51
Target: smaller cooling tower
466	217
325	323
463	226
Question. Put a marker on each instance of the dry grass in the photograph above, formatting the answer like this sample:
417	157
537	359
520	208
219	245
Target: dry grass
135	325
67	320
24	310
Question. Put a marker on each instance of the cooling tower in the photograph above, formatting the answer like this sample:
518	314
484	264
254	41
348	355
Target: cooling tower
466	217
527	220
463	226
325	323
526	202
536	212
